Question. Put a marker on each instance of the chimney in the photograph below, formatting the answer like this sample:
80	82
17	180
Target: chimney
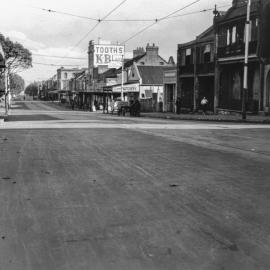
152	50
138	52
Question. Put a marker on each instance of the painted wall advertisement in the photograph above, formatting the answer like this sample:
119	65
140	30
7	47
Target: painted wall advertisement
108	55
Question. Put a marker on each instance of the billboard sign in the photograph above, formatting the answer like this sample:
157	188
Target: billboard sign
108	55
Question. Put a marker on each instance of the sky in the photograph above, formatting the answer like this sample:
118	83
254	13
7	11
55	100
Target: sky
54	34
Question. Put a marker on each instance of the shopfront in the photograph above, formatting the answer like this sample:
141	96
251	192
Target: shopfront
170	94
130	91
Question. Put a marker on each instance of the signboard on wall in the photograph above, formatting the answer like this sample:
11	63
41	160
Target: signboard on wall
108	55
126	88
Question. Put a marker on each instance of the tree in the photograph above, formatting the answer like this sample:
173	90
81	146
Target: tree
16	83
31	89
18	58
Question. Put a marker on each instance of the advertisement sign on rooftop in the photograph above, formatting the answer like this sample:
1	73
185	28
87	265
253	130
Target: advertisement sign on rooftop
108	55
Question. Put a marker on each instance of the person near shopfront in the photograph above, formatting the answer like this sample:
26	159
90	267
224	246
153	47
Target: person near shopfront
204	103
178	105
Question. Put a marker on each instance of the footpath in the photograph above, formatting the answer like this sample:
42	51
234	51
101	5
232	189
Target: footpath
260	119
237	117
2	113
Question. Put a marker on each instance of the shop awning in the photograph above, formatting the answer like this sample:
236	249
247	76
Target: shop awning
57	91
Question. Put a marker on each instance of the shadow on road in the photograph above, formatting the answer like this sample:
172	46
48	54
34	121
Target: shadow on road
36	117
20	106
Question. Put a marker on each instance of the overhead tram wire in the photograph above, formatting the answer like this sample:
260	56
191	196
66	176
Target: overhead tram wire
65	13
122	20
159	20
55	65
195	12
60	57
96	25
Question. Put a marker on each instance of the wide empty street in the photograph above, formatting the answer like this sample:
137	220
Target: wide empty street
86	190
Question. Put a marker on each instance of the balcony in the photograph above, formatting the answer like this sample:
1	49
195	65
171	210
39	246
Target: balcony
237	49
187	70
206	68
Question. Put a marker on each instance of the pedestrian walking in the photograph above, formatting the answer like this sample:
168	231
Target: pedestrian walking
204	103
178	105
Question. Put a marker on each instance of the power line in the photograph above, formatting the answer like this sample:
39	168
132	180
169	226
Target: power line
61	57
158	20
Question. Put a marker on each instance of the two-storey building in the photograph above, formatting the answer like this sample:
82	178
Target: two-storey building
230	40
196	70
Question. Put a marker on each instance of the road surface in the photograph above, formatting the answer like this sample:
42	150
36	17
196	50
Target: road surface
81	190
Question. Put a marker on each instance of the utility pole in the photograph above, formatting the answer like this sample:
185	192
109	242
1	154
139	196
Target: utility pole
122	82
245	82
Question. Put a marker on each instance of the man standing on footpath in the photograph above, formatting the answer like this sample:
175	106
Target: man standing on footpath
204	103
178	105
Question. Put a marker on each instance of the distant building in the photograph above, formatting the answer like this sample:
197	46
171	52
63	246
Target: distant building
64	75
143	78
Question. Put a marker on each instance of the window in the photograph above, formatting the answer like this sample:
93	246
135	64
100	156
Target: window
142	63
161	63
234	34
228	37
188	56
207	53
65	75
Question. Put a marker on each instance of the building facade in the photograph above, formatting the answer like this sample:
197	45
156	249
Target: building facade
195	68
230	35
212	65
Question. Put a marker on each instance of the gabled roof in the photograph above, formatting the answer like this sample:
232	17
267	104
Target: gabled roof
110	73
151	75
205	36
135	59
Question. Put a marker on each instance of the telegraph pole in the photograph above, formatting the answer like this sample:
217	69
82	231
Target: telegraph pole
245	82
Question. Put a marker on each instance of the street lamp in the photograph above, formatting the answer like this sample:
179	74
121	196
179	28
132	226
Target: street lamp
245	82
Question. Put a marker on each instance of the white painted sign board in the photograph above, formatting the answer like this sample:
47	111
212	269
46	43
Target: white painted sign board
108	55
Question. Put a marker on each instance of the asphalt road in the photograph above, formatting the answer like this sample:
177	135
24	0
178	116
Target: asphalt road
82	191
